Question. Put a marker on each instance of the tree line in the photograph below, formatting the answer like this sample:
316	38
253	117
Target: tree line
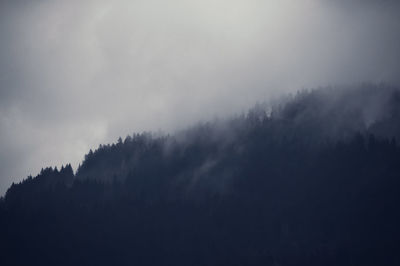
310	180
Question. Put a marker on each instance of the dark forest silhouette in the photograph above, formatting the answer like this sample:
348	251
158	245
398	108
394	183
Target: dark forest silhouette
310	180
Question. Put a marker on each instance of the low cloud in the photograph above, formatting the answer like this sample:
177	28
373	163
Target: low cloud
74	75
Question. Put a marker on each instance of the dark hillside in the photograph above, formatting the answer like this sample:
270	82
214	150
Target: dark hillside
312	180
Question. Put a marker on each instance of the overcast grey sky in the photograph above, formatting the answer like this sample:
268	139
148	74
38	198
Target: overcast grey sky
74	74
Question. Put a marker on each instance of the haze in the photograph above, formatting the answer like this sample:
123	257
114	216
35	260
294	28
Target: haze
74	74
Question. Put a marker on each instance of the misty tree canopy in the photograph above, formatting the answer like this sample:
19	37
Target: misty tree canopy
312	179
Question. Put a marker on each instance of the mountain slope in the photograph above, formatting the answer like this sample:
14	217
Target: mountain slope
310	180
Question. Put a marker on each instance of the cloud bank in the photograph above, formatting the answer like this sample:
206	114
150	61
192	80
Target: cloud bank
76	74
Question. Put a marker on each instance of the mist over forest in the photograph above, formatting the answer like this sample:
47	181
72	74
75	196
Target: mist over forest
212	132
76	74
311	179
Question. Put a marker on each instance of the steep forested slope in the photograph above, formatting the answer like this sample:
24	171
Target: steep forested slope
310	180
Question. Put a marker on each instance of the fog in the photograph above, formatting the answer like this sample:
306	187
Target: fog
74	75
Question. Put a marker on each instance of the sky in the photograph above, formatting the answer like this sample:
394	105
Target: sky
76	74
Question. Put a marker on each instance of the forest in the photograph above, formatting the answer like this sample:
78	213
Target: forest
310	179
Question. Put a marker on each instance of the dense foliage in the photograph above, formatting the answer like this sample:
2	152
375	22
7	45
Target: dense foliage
310	180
